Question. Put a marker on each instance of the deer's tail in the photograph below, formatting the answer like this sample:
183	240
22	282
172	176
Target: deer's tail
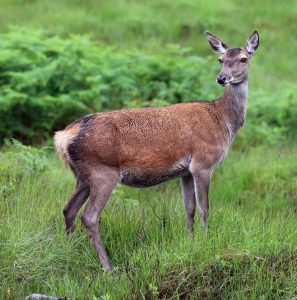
63	138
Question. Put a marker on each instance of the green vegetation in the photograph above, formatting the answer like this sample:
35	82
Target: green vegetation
62	59
151	24
47	82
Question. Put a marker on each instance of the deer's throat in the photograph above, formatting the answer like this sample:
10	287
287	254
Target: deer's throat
235	99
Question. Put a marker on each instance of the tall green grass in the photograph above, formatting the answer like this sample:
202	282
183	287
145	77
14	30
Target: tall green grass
249	251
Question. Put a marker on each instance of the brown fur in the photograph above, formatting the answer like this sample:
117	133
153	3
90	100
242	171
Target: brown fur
152	138
233	52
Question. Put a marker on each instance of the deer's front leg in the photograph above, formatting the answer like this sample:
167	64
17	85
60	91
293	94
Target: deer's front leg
188	193
201	184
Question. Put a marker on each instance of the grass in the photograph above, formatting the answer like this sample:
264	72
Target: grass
249	251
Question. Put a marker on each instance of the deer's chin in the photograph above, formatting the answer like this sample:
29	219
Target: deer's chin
237	81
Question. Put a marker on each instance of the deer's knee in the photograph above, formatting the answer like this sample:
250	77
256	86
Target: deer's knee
204	215
87	221
203	211
191	208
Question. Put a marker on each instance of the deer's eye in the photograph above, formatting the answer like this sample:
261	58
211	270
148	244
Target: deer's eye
243	60
220	60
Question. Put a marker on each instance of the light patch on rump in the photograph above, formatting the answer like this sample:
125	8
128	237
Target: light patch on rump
62	140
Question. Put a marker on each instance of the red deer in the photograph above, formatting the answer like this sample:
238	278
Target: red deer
146	146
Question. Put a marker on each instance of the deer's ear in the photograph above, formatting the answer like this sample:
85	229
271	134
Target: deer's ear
253	43
216	44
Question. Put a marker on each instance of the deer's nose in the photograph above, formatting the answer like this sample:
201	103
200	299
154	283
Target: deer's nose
221	79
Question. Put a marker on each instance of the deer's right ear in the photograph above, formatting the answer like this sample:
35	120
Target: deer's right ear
216	44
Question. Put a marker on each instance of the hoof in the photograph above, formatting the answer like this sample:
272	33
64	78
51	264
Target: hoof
69	231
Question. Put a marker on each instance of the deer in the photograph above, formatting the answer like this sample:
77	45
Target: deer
142	147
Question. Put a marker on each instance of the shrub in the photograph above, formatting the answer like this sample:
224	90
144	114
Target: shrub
18	161
47	82
270	118
22	159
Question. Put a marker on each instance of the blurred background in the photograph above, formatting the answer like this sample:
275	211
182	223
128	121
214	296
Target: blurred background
60	60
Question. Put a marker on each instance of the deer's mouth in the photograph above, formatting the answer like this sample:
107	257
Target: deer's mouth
224	83
231	81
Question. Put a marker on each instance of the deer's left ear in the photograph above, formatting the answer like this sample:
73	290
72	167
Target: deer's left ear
252	43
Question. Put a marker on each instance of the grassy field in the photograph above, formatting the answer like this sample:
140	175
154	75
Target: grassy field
248	252
250	249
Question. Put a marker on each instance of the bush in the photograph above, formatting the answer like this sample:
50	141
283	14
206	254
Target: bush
17	162
271	118
47	82
22	159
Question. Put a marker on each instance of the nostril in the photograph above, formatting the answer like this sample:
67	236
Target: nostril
221	79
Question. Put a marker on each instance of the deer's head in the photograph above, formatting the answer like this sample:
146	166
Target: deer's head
234	61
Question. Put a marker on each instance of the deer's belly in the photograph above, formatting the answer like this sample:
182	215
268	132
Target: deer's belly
146	179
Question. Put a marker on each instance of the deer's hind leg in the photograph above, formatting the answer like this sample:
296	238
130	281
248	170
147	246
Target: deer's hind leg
102	181
75	202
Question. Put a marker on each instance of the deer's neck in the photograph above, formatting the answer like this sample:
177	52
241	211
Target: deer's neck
234	104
